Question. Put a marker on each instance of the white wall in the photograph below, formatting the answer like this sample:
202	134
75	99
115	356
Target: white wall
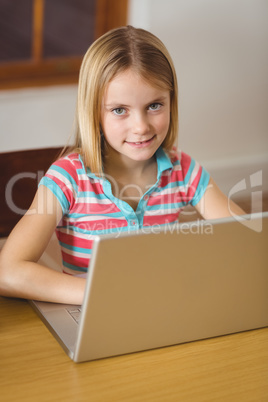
36	117
220	51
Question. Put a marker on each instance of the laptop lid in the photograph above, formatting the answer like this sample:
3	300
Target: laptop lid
161	287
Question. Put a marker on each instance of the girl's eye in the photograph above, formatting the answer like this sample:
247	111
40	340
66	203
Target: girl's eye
155	106
119	111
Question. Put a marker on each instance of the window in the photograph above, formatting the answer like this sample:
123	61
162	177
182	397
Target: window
43	41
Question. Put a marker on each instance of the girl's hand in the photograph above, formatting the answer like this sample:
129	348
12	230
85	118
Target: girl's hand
20	274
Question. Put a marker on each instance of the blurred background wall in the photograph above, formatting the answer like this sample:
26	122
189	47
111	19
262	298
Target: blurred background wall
221	56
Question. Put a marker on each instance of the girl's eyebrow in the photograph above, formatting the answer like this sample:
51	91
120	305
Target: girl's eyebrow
159	99
122	105
115	105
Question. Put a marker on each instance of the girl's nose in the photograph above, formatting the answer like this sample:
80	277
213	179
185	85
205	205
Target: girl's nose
140	124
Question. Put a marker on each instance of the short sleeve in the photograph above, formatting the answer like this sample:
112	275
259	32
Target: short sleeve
61	179
196	179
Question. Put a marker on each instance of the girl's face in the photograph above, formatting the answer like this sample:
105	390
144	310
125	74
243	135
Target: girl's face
135	117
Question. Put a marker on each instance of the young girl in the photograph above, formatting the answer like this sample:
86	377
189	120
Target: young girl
124	172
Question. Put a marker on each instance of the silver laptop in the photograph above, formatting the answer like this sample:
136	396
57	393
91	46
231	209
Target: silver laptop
162	287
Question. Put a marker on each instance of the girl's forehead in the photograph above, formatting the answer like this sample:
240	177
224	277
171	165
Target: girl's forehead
132	80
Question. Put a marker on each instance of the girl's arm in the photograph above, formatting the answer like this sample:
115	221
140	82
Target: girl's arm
214	204
20	274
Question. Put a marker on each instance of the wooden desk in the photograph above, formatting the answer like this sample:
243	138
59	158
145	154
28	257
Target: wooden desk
33	367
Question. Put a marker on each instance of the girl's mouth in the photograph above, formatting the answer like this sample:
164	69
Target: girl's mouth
141	144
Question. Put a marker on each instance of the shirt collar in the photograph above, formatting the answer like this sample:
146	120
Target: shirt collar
87	170
163	161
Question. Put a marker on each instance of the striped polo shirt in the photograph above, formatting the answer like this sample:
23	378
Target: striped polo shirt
90	208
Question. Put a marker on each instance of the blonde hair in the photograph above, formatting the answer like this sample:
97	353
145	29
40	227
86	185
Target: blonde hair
114	52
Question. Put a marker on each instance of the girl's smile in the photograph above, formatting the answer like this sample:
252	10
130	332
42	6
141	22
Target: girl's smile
135	118
141	144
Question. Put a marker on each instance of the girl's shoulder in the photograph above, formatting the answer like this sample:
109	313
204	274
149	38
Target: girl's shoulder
71	163
179	158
